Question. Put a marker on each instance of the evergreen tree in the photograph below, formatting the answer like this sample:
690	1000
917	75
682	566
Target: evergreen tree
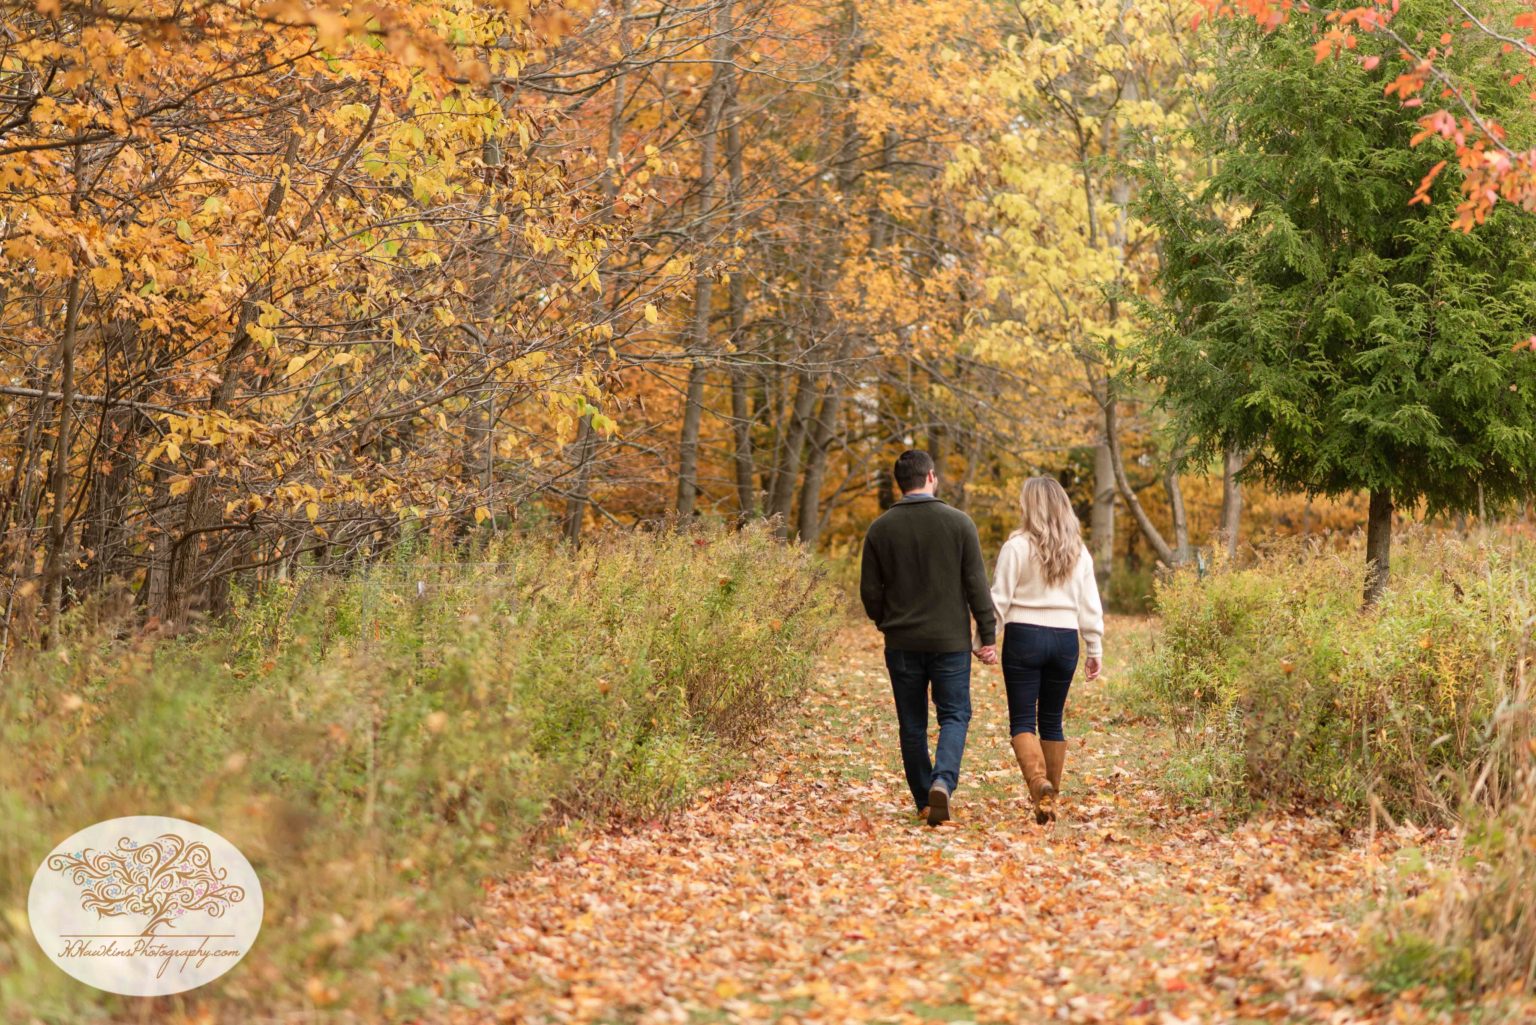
1311	312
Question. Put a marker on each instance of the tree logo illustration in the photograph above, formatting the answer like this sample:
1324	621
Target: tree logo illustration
145	905
164	880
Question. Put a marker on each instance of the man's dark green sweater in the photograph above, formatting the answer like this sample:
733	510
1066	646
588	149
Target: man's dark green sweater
922	577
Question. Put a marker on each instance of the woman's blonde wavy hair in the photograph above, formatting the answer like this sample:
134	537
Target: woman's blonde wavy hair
1050	524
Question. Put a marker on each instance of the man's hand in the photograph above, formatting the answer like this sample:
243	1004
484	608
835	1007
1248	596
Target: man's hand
987	653
1094	665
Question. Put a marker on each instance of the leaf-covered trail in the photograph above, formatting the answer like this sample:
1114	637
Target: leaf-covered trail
806	891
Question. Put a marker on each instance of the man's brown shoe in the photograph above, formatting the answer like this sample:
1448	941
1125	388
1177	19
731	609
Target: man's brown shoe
938	804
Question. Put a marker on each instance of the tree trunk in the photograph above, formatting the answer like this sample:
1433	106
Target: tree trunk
576	502
104	532
786	474
1176	509
938	450
1111	458
823	431
586	437
736	297
1117	462
1231	500
157	571
478	454
20	506
818	431
688	442
57	521
961	494
769	408
741	430
1101	523
1378	546
693	412
199	508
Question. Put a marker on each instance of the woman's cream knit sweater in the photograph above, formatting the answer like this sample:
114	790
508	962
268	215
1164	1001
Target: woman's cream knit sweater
1021	595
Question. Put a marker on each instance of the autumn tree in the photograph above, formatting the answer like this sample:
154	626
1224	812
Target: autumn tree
161	880
1095	83
1495	156
309	279
1315	308
301	276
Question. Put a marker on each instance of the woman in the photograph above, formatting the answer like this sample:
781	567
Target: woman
1046	597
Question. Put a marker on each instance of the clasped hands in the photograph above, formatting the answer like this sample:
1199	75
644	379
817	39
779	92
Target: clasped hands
987	656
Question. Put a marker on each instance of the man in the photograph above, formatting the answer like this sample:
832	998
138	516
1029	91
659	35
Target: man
921	581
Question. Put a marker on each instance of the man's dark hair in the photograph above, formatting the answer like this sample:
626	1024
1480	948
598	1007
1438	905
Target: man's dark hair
912	469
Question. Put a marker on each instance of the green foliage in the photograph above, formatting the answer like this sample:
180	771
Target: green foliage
1309	313
1411	961
1470	926
1283	691
377	745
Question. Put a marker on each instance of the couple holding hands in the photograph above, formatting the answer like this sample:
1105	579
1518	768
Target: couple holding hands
922	581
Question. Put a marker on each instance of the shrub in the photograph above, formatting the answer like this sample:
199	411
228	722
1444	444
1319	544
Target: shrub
1470	927
1285	691
377	745
1298	696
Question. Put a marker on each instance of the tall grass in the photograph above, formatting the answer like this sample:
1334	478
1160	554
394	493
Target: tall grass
378	745
1285	692
1282	691
1469	926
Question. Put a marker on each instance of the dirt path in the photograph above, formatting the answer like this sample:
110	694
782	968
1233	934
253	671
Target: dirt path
807	892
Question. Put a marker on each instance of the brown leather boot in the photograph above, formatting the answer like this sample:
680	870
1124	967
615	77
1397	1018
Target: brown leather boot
1026	748
1055	759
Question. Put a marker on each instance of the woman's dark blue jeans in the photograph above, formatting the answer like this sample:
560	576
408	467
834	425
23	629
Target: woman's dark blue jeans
1038	664
949	675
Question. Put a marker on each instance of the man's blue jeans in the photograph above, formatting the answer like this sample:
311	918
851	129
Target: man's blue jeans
949	673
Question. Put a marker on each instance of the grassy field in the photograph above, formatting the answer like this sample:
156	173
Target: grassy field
379	744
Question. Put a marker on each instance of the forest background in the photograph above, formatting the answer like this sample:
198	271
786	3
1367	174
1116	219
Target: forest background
282	282
380	327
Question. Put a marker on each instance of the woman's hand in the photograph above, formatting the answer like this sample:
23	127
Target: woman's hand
1094	665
